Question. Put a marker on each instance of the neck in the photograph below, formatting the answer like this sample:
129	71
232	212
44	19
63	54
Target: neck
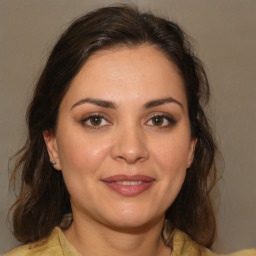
93	238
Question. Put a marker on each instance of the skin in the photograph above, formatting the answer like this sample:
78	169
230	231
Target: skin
126	140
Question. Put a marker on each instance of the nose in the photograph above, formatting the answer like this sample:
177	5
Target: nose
129	145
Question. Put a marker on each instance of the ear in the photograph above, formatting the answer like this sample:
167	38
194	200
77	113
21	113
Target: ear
191	151
52	148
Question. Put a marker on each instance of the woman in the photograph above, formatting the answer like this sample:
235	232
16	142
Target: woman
120	157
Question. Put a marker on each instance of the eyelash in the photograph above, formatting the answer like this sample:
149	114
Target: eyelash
169	119
91	126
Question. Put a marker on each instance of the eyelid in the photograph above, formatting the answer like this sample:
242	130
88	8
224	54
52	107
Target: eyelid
95	114
172	121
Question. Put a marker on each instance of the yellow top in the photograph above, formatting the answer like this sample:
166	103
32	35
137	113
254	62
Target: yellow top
56	244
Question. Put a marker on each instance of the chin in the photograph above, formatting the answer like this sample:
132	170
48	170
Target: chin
133	220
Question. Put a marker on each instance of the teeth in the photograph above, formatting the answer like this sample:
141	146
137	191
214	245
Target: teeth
129	183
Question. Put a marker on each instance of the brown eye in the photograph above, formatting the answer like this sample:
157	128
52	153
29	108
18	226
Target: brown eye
157	120
161	121
95	121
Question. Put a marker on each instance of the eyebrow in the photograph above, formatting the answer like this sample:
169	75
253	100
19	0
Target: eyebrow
158	102
111	105
98	102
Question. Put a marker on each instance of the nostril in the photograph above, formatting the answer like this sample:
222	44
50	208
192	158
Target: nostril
130	155
131	158
129	145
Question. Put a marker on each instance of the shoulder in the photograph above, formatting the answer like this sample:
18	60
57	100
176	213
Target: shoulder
183	245
56	244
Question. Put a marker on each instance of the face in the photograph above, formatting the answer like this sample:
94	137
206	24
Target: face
123	139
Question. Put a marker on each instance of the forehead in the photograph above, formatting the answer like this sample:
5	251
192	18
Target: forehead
128	73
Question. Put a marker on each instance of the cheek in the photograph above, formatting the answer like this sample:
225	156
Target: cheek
173	154
170	163
81	155
81	161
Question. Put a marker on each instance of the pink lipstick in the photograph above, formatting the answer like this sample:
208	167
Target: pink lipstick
129	185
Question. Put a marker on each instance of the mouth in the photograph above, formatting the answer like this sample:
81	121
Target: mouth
128	185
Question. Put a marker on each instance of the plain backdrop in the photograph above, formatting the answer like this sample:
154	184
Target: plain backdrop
224	36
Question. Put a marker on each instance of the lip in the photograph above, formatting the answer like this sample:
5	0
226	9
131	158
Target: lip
129	190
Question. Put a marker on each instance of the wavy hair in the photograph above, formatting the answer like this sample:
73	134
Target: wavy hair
43	199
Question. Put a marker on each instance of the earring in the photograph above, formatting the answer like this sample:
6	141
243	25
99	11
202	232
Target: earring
53	163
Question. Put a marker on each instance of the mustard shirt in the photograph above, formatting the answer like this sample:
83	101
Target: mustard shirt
57	244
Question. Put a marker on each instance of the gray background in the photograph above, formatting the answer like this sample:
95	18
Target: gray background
224	36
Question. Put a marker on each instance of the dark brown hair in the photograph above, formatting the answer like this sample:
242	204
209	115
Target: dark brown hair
43	199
